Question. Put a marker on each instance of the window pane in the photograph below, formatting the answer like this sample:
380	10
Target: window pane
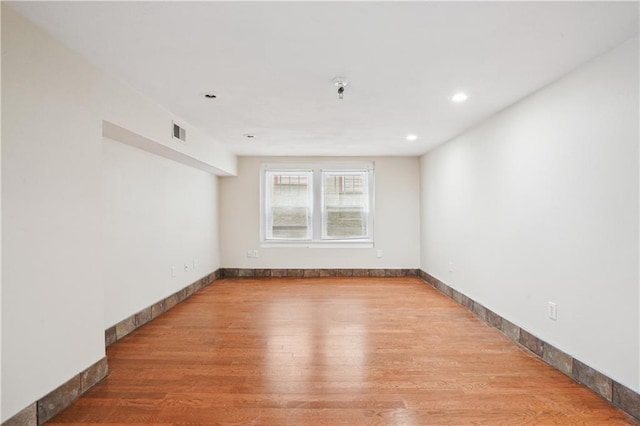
289	206
345	205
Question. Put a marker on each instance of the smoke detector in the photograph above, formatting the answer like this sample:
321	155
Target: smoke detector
340	83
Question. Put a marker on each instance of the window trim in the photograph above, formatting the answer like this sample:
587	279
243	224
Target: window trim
316	170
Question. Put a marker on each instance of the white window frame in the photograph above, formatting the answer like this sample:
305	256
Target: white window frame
316	170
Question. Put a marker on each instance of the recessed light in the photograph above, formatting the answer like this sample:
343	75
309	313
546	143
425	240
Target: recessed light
459	97
412	138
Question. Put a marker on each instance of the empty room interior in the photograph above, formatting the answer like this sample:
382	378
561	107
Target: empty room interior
288	213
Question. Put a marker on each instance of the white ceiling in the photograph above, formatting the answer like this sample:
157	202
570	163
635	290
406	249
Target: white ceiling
271	65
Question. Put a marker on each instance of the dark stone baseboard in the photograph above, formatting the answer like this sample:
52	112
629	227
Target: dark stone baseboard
60	398
315	273
137	320
46	408
27	417
612	391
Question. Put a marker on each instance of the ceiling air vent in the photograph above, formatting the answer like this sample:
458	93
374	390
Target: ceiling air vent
179	132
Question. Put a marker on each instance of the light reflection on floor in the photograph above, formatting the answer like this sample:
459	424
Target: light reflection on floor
309	337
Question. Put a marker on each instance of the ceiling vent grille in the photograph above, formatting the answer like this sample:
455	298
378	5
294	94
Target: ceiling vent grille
179	132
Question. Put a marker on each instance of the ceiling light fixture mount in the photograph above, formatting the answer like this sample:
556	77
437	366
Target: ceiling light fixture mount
412	137
210	96
340	83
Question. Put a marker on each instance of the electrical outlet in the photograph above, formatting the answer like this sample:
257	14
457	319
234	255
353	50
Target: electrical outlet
255	253
186	267
553	311
379	253
450	266
249	253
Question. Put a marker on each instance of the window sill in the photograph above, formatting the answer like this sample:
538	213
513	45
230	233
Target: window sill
318	244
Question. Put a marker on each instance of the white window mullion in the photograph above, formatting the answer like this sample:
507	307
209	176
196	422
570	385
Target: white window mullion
317	204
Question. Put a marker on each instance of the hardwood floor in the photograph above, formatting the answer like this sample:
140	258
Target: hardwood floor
335	351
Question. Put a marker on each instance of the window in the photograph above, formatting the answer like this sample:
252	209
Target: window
316	205
289	202
345	205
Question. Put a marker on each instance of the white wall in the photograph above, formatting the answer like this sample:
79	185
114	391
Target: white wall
53	105
397	226
51	289
156	214
540	203
0	230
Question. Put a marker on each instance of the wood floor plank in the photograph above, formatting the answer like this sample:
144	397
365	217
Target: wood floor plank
329	351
